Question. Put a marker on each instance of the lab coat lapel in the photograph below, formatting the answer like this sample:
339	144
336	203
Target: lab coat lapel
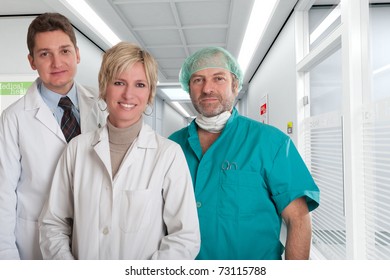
145	140
86	105
34	101
102	148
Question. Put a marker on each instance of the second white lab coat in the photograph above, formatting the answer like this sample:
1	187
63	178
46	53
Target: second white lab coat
147	211
31	142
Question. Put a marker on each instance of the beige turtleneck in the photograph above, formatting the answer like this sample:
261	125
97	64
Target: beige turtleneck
120	140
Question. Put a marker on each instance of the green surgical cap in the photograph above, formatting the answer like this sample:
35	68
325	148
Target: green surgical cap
210	57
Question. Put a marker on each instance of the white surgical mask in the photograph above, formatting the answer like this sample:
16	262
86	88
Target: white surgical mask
213	124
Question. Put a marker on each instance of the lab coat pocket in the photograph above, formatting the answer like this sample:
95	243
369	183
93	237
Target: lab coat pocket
136	210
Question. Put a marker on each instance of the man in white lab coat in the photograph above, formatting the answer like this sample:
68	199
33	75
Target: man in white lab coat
31	139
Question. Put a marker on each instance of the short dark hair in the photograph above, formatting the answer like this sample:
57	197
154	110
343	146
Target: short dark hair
49	22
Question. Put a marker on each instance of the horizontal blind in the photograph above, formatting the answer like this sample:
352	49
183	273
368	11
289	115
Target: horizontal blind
376	158
324	157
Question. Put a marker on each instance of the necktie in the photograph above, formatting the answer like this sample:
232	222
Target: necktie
69	125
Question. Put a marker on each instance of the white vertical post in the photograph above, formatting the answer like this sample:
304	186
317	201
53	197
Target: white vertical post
354	17
301	50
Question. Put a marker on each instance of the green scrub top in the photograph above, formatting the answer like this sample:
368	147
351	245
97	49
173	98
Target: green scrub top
242	184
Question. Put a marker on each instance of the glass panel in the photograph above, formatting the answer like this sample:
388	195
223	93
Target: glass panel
380	46
376	152
376	137
326	86
324	17
324	157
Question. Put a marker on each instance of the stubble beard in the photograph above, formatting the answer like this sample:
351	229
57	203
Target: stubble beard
212	110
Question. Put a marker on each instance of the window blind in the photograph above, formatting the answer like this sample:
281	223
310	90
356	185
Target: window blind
376	155
324	158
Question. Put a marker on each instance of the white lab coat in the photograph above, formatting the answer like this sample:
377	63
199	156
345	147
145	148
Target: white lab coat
147	211
31	142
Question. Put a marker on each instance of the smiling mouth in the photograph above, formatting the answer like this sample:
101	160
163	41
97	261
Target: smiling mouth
127	106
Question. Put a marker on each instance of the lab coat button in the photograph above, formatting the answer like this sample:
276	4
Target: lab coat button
105	231
198	204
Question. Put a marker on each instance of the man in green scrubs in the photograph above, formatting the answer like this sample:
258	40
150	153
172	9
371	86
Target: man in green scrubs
247	176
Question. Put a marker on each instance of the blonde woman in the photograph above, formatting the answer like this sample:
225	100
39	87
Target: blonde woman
122	192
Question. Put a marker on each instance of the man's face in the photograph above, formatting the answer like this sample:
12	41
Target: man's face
212	92
55	58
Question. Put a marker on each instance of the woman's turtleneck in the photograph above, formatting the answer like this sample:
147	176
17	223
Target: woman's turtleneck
120	140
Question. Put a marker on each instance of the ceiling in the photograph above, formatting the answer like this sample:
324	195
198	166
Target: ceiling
169	29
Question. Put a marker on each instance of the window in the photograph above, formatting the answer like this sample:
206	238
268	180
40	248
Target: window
331	66
323	19
324	154
376	138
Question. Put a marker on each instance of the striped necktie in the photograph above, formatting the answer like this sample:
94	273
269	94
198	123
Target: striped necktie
69	125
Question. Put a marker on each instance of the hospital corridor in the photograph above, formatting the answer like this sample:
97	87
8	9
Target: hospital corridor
317	70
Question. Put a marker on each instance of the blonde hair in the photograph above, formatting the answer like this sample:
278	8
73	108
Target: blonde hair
122	56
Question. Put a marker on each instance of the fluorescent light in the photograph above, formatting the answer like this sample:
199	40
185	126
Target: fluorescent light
381	70
176	94
81	8
180	108
331	18
260	15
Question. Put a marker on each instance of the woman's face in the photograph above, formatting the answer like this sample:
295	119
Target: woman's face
127	96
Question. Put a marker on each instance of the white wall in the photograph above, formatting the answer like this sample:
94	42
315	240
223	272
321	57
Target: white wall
90	60
14	66
13	47
277	78
172	120
164	119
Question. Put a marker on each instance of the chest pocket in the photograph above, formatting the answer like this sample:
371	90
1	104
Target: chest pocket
241	194
137	208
